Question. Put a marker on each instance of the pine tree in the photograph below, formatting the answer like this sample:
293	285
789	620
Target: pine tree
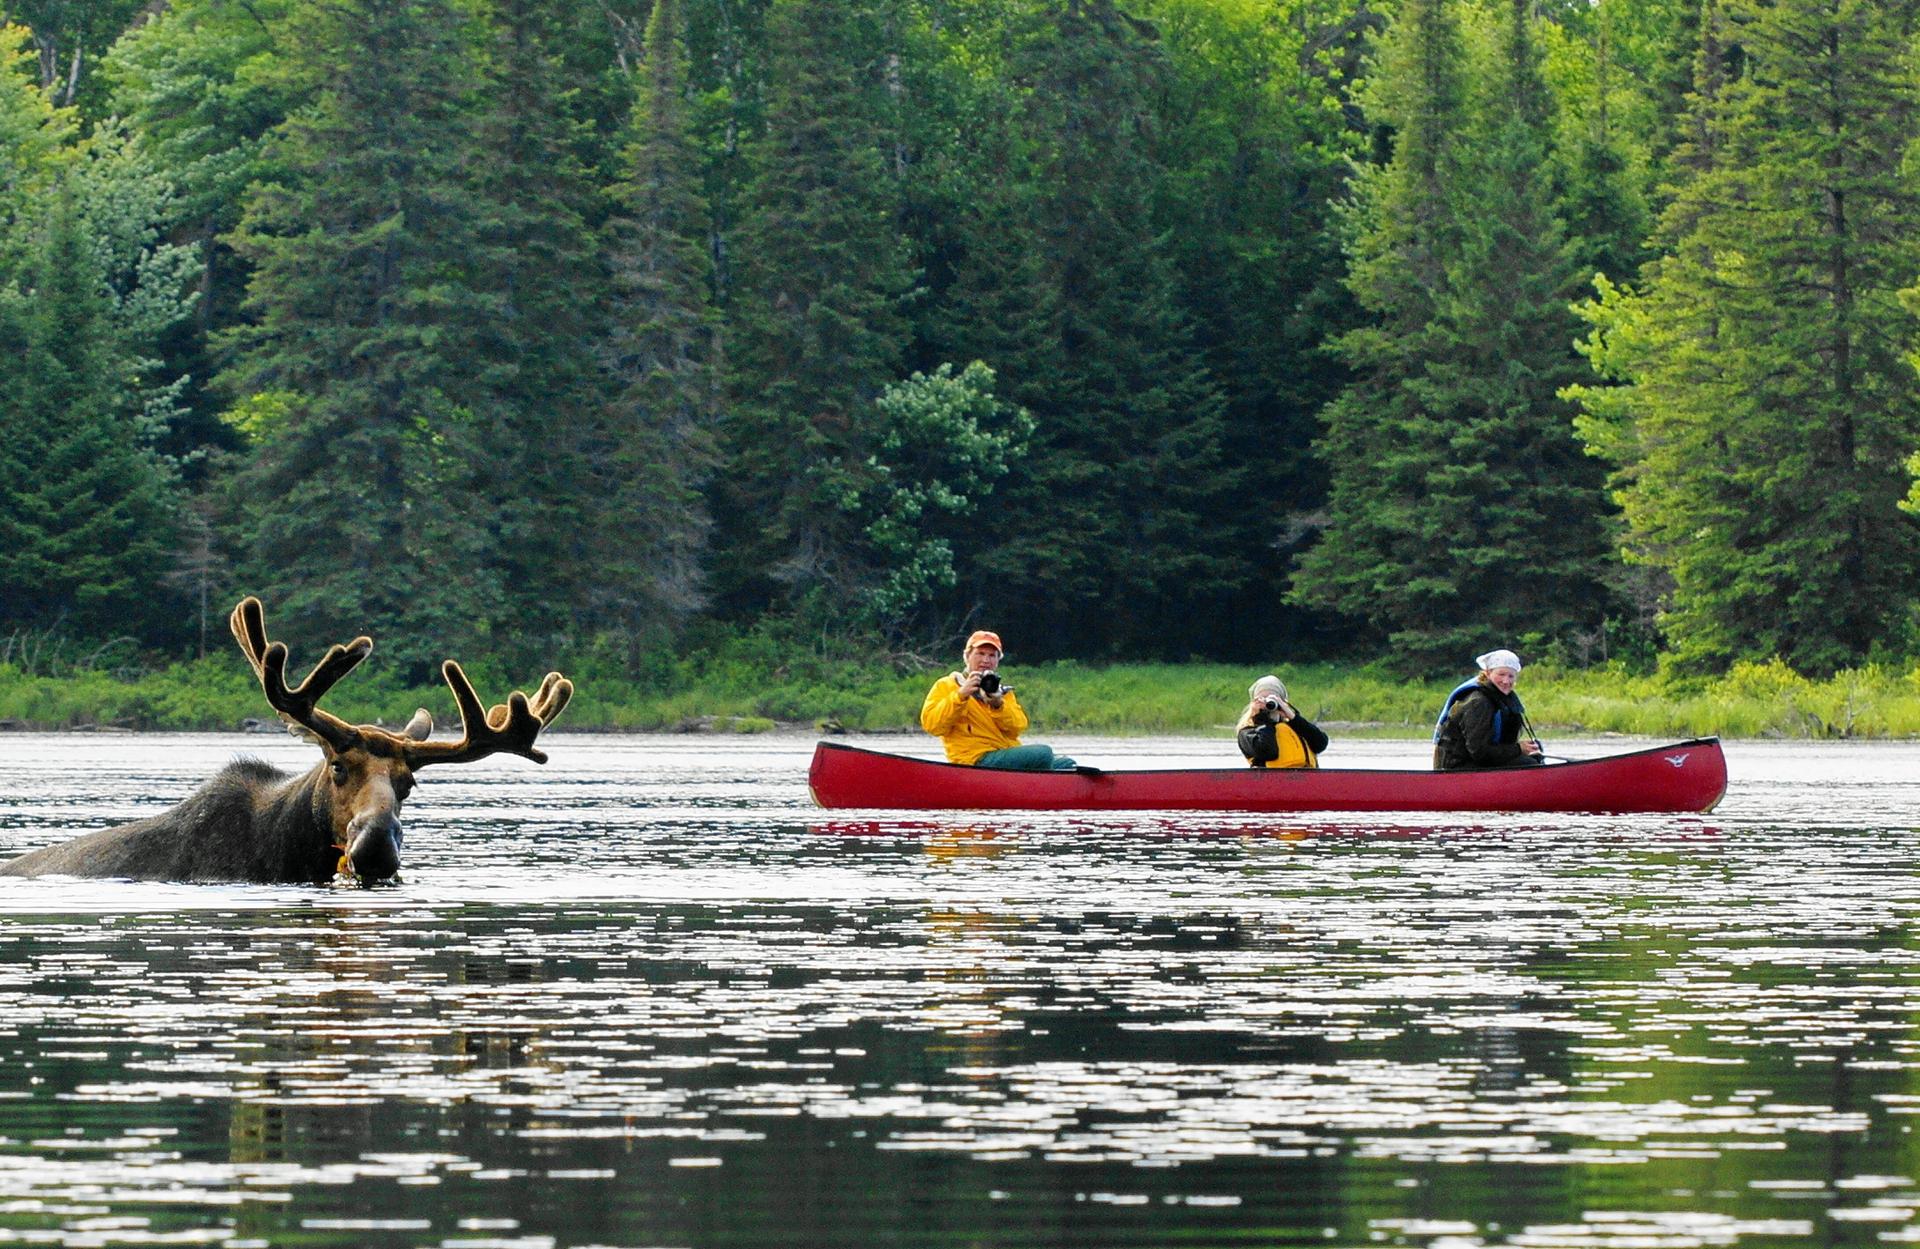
817	329
656	444
1765	412
360	504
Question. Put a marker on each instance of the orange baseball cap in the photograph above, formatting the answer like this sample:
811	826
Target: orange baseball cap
984	637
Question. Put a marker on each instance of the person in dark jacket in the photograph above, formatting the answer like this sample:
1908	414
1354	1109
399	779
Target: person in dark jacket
1272	734
1480	724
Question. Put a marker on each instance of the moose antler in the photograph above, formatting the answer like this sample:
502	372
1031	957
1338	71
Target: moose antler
297	706
510	727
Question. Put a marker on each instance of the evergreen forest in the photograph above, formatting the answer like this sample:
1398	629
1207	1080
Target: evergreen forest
562	332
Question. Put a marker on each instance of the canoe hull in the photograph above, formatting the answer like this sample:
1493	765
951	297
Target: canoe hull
1689	776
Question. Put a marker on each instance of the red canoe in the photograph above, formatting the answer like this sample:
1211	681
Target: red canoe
1685	776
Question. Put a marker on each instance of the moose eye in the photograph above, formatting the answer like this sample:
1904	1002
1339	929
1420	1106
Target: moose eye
339	772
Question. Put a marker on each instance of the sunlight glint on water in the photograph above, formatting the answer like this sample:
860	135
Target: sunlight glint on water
648	995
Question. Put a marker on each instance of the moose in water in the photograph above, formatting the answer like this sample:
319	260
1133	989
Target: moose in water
254	823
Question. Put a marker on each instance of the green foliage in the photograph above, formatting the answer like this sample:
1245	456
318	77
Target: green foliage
755	684
1765	410
71	35
662	353
1451	447
944	441
543	338
1128	519
34	135
378	484
817	326
201	86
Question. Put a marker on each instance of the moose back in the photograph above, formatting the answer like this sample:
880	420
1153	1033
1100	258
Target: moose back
254	823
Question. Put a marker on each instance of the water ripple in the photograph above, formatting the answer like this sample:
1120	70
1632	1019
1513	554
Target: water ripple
649	996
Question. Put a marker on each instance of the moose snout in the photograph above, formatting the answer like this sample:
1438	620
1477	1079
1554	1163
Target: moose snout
373	846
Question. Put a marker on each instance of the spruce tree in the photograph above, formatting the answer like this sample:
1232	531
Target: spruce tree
1119	532
1765	413
655	445
87	513
816	329
360	505
1257	148
536	274
1604	191
973	195
1380	558
1529	501
1486	523
87	506
200	85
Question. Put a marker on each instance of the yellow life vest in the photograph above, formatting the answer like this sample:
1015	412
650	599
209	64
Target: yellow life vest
1294	752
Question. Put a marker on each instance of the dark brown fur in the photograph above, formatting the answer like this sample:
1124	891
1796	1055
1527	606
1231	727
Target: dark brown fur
254	823
251	822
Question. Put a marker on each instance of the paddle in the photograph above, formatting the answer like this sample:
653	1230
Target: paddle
1544	756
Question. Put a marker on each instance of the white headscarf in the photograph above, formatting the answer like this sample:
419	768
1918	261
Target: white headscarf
1268	684
1498	659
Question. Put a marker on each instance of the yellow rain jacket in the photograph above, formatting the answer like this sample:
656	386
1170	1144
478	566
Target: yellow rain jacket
967	727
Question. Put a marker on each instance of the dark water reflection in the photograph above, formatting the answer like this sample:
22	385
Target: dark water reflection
649	996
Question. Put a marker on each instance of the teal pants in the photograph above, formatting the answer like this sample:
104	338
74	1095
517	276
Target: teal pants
1025	759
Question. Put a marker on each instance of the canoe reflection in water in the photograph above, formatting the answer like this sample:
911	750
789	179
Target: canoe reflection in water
949	841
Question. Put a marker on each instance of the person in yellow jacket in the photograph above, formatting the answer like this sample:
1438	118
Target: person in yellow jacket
977	718
1272	734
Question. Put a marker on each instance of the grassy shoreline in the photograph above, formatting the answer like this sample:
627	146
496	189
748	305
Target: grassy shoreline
1752	700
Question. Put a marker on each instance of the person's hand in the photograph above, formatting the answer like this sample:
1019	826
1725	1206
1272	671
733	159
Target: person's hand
1284	712
970	685
1530	747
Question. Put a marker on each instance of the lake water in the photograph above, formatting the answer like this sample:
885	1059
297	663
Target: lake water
649	996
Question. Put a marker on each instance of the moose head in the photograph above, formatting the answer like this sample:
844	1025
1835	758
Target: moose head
253	823
369	771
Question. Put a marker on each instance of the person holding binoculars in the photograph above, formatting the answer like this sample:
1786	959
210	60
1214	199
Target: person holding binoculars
979	721
1273	734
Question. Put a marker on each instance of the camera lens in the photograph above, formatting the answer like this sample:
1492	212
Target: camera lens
989	683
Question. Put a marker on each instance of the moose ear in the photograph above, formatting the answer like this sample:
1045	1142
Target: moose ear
420	728
305	734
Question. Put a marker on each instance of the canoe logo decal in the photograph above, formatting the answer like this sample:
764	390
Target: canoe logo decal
1676	760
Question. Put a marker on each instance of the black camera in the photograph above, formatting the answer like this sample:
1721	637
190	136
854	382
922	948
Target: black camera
989	683
1270	703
